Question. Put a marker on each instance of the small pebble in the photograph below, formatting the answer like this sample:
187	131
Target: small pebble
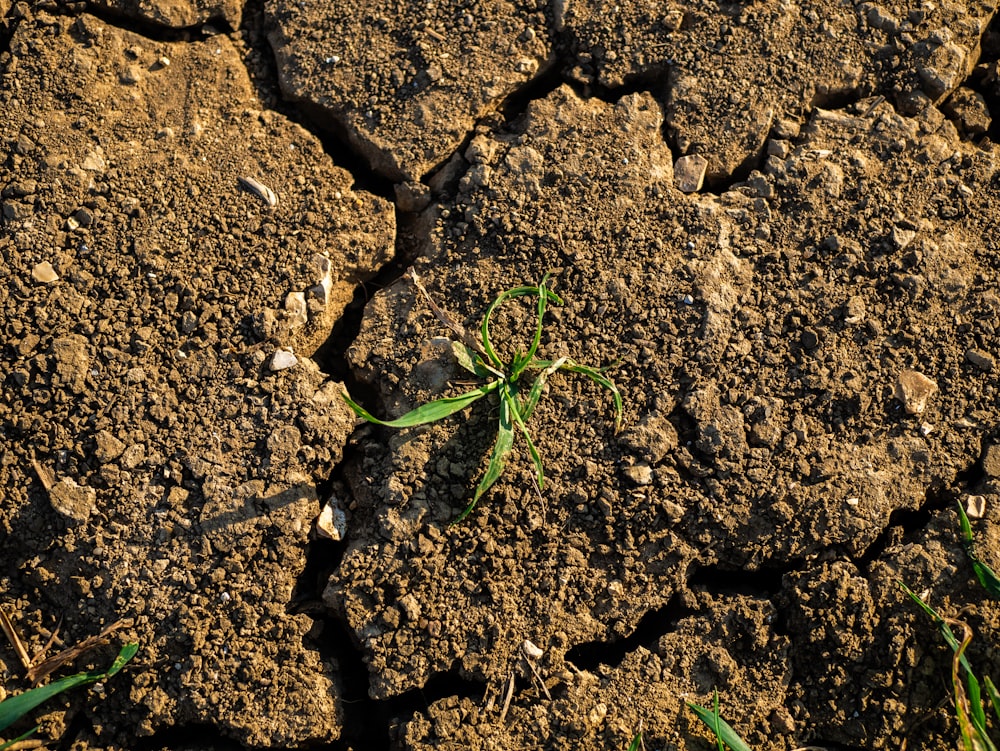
982	360
531	651
913	389
975	506
282	360
689	173
639	474
332	521
43	273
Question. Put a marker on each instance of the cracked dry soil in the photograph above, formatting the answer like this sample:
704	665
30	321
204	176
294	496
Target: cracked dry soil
174	344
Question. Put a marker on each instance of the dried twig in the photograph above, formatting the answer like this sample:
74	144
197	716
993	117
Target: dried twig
38	672
442	315
15	640
507	697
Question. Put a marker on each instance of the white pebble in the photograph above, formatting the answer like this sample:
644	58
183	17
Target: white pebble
282	360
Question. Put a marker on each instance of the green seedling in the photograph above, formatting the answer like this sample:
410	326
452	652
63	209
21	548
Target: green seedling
986	575
725	736
970	707
637	743
13	708
518	394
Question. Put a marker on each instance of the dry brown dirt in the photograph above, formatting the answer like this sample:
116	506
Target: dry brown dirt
777	222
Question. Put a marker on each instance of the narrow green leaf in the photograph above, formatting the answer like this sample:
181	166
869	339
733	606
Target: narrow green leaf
469	359
991	691
943	627
543	298
636	742
722	729
987	577
529	404
536	459
501	449
430	412
504	296
19	738
14	708
598	377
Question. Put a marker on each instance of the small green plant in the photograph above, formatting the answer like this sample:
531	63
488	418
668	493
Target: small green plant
517	399
970	704
13	708
725	736
986	575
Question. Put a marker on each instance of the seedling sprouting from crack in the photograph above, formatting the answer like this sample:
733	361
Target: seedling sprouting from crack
969	701
508	380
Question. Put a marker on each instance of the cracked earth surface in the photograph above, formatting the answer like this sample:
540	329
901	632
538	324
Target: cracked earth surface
768	216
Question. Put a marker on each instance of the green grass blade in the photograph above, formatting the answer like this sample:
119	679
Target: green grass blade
724	732
536	458
14	708
469	359
539	289
430	412
522	362
531	401
991	691
19	738
987	577
501	449
946	632
636	742
598	377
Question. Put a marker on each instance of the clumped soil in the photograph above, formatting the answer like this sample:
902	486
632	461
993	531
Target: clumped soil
776	223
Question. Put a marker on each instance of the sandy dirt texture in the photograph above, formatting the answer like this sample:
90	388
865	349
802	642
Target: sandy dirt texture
776	223
164	427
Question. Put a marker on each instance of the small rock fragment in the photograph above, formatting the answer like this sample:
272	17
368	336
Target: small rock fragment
295	305
982	360
107	447
43	273
902	237
970	111
412	196
854	311
75	502
332	521
991	461
913	389
130	75
321	291
282	360
639	474
597	714
689	173
975	506
531	651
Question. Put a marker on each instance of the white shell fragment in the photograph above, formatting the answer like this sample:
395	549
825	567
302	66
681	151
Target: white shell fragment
913	389
975	506
531	651
332	521
43	273
260	190
282	360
